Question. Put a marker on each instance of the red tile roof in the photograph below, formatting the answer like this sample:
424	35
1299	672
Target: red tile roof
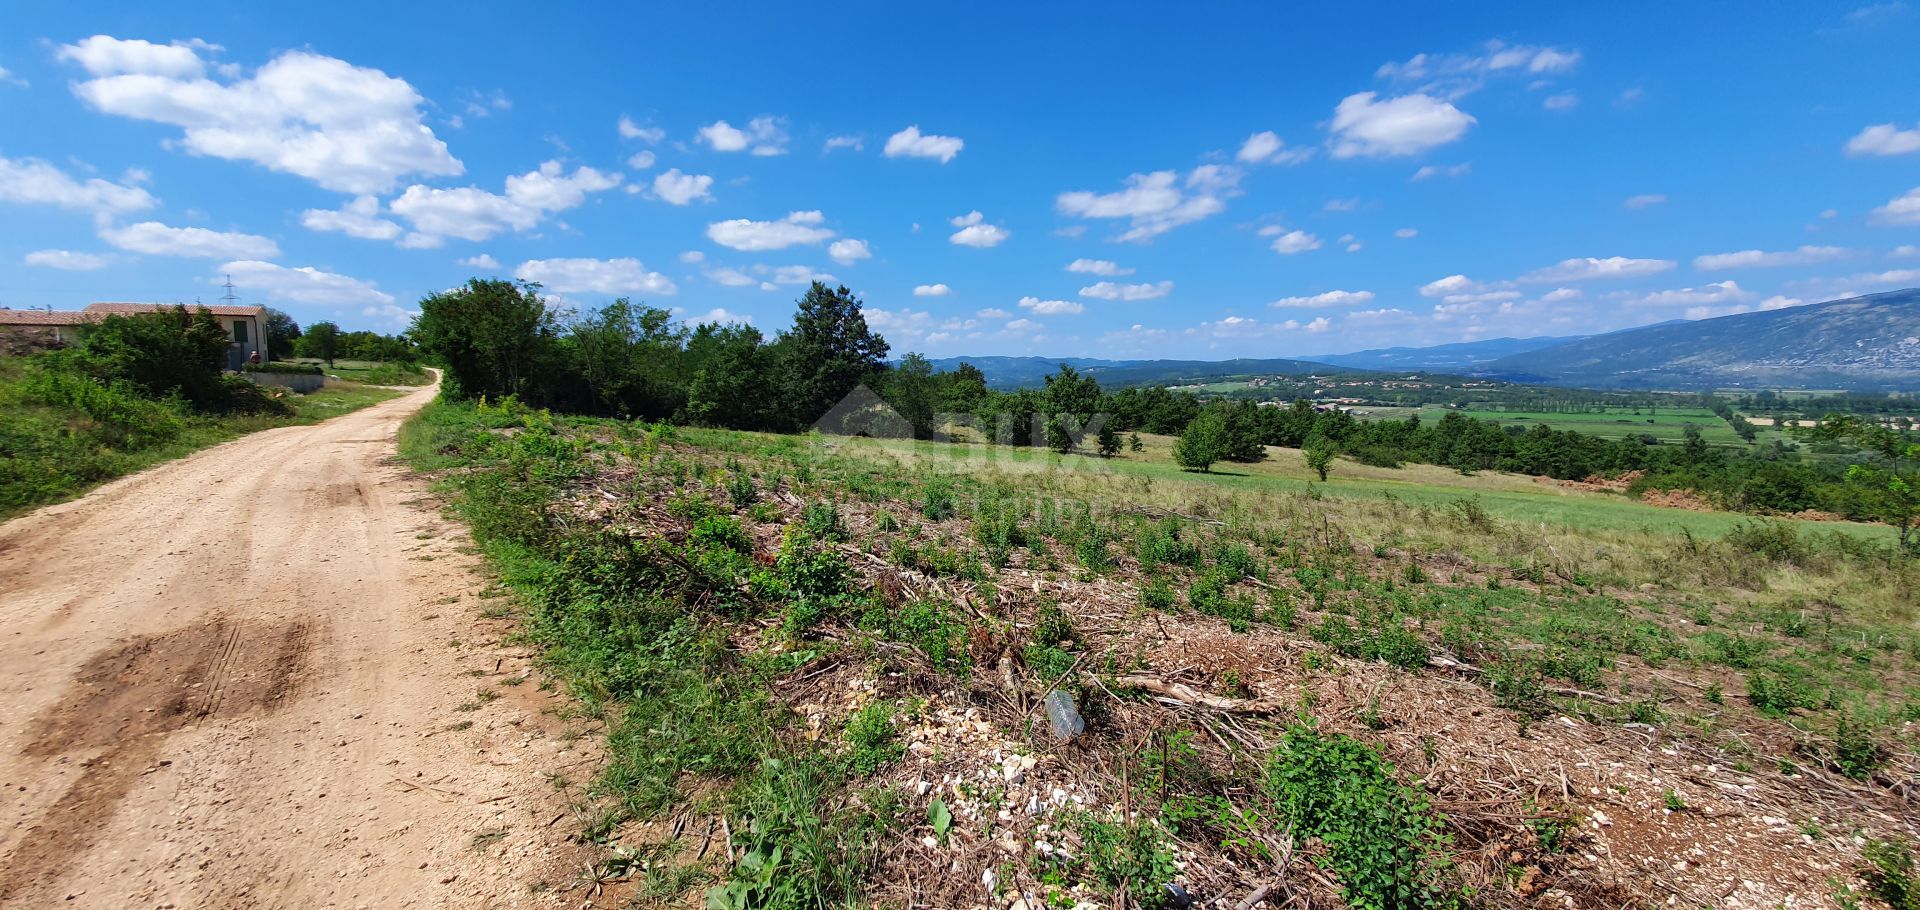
128	309
43	317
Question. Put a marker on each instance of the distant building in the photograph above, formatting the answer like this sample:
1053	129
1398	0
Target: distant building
245	325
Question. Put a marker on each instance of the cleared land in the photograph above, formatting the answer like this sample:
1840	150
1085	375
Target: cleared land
822	663
257	676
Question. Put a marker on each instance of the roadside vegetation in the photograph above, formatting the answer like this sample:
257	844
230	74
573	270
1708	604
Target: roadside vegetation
839	671
135	391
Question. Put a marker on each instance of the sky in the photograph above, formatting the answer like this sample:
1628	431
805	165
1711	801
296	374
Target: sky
1115	180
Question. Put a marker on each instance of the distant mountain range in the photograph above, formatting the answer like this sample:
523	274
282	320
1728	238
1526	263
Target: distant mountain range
1860	343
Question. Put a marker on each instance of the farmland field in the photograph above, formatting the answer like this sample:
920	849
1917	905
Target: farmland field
1669	425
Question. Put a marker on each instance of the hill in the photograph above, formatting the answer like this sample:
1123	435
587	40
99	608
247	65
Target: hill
1457	357
1860	343
1019	372
1026	372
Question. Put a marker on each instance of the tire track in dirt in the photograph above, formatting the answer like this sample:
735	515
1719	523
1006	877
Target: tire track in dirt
246	678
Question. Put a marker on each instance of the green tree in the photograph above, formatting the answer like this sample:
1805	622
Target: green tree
281	332
1202	443
1887	484
1109	440
1319	456
163	353
1134	444
495	337
912	390
731	368
629	357
321	340
829	351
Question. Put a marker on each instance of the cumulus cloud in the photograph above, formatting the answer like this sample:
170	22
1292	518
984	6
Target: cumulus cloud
304	285
594	276
347	128
843	142
1109	290
763	136
1885	139
793	274
1589	268
32	181
1156	203
471	213
66	260
932	290
1806	255
848	251
1103	267
631	130
1644	200
1051	307
975	232
154	238
359	217
992	313
482	261
1562	101
641	160
1288	243
733	278
1266	147
720	316
911	143
1717	293
1325	299
1903	210
676	188
1407	233
1365	127
797	229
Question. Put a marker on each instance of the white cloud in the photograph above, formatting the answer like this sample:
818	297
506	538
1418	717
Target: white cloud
346	128
974	232
763	136
1326	299
797	229
594	276
66	260
1407	125
1430	171
1562	101
641	160
1051	307
848	251
1885	139
1156	203
1717	293
794	274
154	238
1407	233
359	217
932	290
8	78
1904	251
1292	242
1109	290
304	285
34	182
733	278
1779	302
1104	267
631	130
550	188
693	256
1644	200
899	323
1805	255
719	316
911	143
102	55
1588	268
1025	325
844	142
1455	75
468	213
992	313
482	261
677	188
1266	147
1903	210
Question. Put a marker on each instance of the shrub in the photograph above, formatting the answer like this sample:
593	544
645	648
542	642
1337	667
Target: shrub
1157	595
1382	840
1776	695
1890	873
1133	856
1382	637
284	367
872	740
822	520
1773	541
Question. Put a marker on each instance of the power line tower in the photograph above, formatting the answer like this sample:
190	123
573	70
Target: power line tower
230	298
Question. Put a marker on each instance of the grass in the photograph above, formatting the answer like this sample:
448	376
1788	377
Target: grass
373	372
54	452
734	567
1669	425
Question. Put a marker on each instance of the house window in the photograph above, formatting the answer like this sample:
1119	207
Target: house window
239	332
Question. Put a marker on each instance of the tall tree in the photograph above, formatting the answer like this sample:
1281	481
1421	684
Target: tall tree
829	351
731	368
1203	442
281	332
911	390
321	340
629	358
494	336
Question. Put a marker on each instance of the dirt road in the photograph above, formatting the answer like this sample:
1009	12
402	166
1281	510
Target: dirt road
259	677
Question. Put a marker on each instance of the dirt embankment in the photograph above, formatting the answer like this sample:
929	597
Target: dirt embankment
258	677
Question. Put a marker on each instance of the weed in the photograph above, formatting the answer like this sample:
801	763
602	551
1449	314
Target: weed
872	740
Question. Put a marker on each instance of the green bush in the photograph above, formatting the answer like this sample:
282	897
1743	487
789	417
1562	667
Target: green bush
1383	842
284	367
1890	873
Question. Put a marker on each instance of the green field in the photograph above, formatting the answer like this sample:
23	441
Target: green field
375	372
1669	425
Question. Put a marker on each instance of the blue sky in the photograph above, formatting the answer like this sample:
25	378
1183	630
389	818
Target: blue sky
1115	180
